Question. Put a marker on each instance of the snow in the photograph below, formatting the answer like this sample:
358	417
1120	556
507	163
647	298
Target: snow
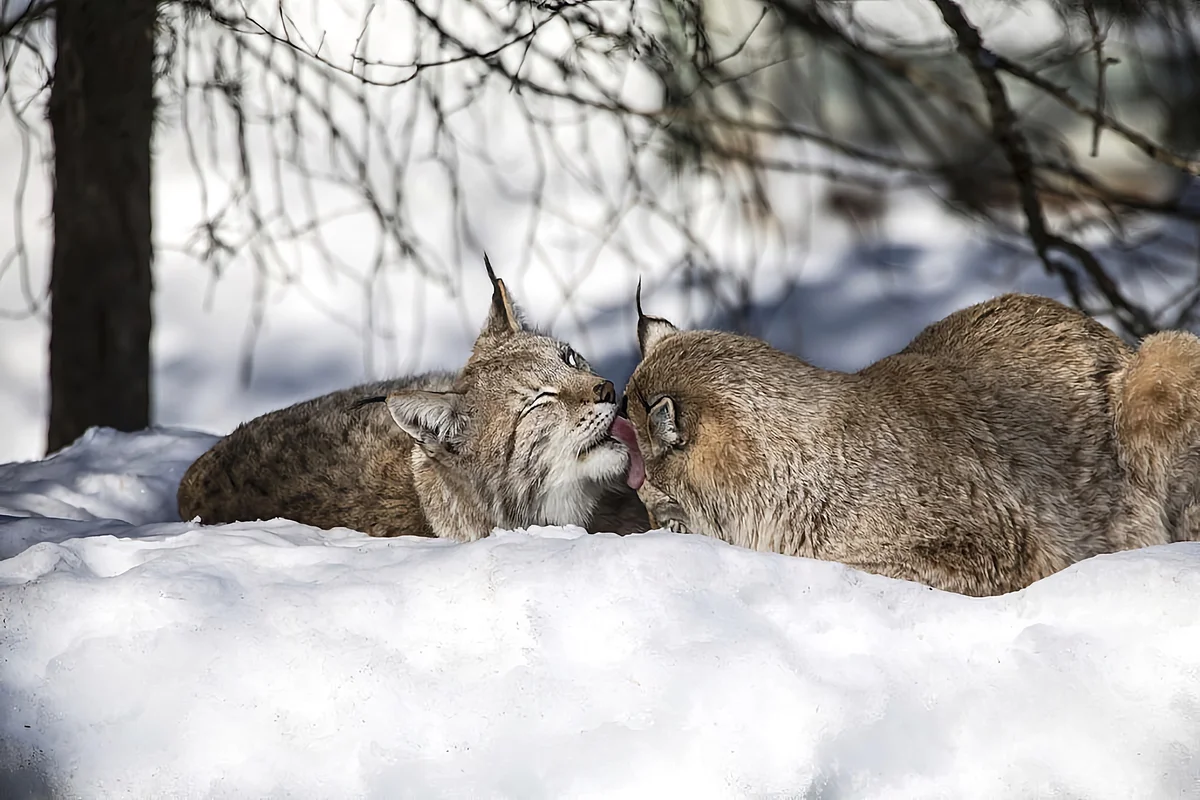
147	657
143	656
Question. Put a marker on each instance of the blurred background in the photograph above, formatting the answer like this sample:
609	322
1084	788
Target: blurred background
240	205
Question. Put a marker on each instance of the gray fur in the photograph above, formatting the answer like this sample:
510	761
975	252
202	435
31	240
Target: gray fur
518	438
992	451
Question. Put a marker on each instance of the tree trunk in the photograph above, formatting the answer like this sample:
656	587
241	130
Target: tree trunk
101	114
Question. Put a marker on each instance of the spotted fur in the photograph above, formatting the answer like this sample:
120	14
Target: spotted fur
519	437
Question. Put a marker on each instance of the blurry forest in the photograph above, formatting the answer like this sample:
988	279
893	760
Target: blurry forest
672	136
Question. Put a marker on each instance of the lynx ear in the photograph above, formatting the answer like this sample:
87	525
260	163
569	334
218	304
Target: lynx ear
503	318
664	422
650	330
434	420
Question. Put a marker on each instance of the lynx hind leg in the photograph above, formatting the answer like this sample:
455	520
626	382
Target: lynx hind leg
199	493
1157	404
1187	528
1157	416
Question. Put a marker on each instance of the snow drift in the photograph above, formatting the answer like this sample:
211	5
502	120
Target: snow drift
145	657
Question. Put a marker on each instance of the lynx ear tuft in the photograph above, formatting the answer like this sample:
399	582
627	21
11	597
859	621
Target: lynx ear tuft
503	317
435	420
650	330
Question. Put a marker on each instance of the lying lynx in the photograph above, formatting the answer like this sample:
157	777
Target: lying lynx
1006	442
527	434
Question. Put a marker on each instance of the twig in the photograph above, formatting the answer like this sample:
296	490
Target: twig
1012	142
1146	145
1098	37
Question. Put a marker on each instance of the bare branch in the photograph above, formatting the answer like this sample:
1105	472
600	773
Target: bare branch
1098	37
1151	148
1006	129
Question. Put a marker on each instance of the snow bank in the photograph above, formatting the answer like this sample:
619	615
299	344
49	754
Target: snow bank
104	475
151	658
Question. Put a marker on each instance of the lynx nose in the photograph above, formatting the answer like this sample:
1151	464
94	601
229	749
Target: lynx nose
604	392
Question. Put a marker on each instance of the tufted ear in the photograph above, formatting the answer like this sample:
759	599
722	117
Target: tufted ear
650	330
664	422
435	420
503	317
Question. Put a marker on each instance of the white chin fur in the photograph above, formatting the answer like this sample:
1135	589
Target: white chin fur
578	479
609	460
580	482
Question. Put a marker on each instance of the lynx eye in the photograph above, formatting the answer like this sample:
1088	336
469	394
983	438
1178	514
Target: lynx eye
570	358
543	398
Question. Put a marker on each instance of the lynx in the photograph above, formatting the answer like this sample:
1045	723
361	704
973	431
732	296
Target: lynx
526	434
1006	442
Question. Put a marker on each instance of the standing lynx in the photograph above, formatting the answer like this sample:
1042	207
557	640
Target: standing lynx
1007	441
526	434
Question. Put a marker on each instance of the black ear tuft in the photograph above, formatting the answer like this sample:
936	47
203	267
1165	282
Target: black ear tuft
357	404
502	318
650	330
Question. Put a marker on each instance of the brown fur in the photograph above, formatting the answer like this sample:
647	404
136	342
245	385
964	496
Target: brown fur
518	438
985	455
321	462
1157	402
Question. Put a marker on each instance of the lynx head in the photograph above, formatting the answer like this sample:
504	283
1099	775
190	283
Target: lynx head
694	429
529	431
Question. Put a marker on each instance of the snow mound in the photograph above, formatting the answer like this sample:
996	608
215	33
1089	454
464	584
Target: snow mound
152	658
105	474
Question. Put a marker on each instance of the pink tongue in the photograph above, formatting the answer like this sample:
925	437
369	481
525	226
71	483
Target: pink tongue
622	431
